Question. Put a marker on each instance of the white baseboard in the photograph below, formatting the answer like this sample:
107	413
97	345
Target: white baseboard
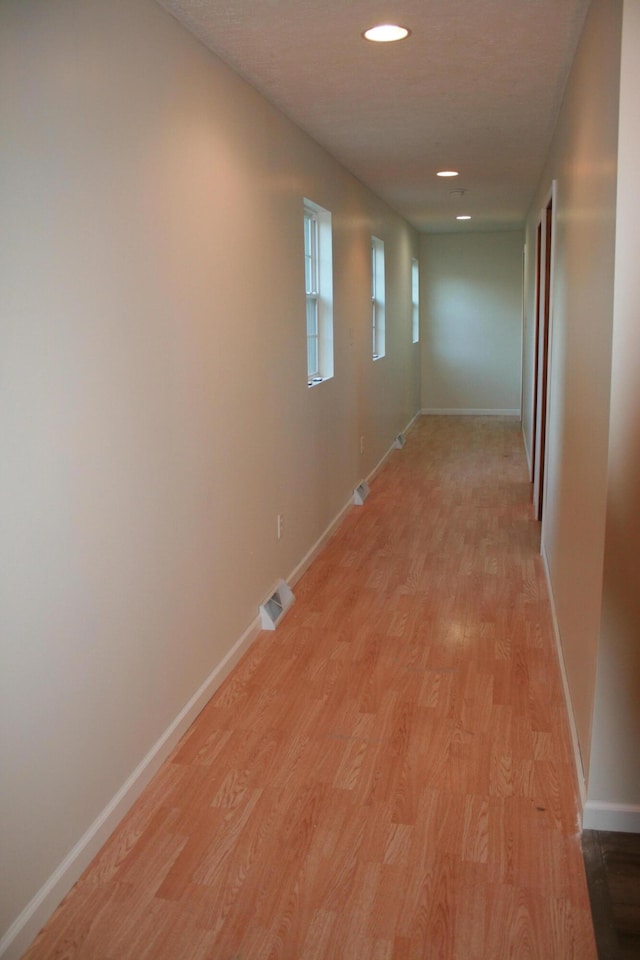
299	571
618	817
27	925
526	451
380	464
468	412
412	422
392	449
301	568
383	459
575	743
596	815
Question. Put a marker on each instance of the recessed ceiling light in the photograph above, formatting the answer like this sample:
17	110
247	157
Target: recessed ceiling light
464	217
386	33
447	173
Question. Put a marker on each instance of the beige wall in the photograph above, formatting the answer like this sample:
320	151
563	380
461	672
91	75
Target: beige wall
615	755
582	160
471	309
153	401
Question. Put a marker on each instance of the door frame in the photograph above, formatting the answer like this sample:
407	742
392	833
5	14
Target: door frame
543	339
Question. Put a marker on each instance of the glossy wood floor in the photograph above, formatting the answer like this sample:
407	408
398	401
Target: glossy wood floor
386	776
612	863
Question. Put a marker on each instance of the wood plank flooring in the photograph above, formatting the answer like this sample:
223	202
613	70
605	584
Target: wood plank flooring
388	776
612	863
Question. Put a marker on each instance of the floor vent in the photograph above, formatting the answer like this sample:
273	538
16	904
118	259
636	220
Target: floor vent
361	493
274	608
399	441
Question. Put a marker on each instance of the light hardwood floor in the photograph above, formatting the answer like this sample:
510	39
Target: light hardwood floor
388	776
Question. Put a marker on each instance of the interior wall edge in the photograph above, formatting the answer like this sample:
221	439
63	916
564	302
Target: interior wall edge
583	160
573	729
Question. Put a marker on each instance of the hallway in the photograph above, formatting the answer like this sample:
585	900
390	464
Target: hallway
388	776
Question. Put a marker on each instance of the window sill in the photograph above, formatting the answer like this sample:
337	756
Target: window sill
316	381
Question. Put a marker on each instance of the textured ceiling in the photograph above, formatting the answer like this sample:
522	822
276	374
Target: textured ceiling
476	87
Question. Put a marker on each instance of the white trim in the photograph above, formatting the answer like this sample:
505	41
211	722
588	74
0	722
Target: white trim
298	571
550	200
415	300
28	923
468	412
619	817
378	299
535	347
381	462
301	568
412	422
321	258
526	449
575	743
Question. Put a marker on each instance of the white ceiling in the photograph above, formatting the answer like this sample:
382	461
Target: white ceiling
476	87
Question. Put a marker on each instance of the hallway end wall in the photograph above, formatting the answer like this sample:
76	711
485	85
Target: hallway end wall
471	322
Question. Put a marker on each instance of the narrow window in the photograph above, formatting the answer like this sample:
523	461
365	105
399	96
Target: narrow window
415	301
312	291
318	269
377	298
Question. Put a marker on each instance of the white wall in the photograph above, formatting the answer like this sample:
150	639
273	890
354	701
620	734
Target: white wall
153	401
582	160
614	783
471	309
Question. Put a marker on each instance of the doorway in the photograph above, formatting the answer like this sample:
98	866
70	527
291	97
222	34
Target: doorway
544	246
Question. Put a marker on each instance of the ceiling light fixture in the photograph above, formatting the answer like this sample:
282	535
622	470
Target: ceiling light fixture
386	33
447	173
464	217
